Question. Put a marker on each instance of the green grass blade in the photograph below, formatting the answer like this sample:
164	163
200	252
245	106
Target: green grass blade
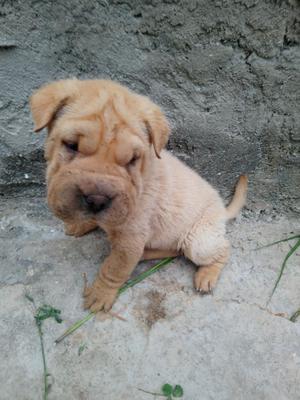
289	254
295	316
145	274
279	241
126	286
74	327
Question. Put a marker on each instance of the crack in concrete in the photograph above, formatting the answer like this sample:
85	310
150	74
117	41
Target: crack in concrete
240	302
5	285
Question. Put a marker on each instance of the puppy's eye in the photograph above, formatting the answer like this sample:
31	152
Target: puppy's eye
133	160
71	146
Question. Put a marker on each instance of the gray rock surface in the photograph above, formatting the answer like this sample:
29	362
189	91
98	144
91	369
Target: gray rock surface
234	344
227	73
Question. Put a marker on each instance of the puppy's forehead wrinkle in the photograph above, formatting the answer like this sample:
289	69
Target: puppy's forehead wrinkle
74	126
117	109
84	105
125	110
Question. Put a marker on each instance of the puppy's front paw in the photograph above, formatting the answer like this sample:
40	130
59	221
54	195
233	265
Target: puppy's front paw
79	229
73	230
99	296
206	279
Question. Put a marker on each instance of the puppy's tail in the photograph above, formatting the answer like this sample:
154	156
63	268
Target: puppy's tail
239	198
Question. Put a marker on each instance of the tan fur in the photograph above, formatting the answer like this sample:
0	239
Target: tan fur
156	205
239	198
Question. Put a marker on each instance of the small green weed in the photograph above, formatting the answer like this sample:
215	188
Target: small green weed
168	391
81	348
44	312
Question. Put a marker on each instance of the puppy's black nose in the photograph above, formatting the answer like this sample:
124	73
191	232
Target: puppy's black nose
96	202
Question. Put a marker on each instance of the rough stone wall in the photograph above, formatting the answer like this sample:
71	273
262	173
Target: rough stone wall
227	74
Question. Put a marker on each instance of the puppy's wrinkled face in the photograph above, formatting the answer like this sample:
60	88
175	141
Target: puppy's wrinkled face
99	148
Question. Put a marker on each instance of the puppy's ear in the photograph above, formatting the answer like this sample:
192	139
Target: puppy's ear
157	126
47	101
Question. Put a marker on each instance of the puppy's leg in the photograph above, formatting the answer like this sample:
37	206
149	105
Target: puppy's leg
207	247
114	272
80	228
207	275
152	254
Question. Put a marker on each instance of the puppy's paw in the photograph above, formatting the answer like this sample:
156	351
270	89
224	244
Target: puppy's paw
206	279
99	297
79	229
73	230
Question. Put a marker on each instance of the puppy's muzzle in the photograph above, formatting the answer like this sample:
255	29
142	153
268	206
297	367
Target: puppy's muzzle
80	194
96	203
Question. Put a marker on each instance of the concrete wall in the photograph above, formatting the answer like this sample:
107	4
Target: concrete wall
227	74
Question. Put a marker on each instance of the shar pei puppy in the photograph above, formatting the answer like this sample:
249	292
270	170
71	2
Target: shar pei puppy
107	168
